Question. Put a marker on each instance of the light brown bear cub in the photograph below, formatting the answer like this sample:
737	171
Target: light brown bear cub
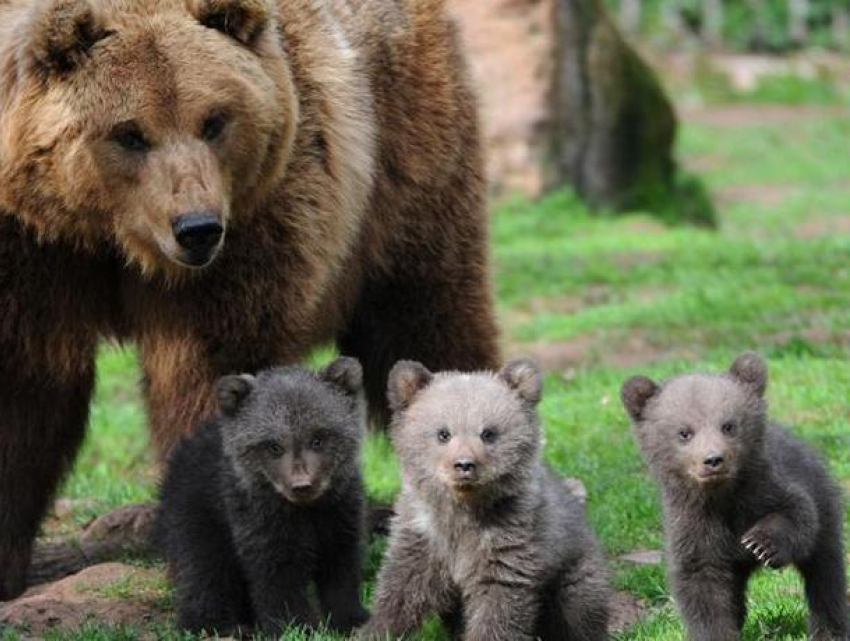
738	491
485	535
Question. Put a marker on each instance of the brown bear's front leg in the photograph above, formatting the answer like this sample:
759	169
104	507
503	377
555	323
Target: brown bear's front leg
51	311
42	422
178	384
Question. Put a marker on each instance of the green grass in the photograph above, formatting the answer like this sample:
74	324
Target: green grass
689	298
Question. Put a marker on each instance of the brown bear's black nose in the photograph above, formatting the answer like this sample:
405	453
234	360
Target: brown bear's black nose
465	466
198	233
713	461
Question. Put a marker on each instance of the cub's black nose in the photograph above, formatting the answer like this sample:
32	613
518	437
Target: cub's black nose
713	461
198	233
465	465
302	487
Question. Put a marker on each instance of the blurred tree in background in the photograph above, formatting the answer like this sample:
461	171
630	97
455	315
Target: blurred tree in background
755	25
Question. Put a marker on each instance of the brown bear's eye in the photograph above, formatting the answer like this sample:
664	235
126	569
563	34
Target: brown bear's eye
728	428
443	435
130	137
488	435
316	443
274	448
685	435
214	126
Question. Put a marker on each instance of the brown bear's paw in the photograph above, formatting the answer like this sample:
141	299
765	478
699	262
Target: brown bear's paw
767	546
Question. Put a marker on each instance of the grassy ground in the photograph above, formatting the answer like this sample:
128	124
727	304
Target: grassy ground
597	299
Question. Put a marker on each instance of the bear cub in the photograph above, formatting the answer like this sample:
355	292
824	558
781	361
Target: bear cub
266	500
738	492
484	534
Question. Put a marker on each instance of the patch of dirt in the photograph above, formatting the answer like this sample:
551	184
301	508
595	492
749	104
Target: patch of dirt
704	162
111	593
643	557
626	610
748	115
591	349
763	194
825	226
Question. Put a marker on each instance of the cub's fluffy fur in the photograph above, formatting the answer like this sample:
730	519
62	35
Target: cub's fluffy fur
485	535
267	499
738	492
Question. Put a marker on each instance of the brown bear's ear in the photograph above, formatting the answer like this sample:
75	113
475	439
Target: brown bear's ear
406	380
242	20
523	376
232	392
61	34
751	370
636	393
346	373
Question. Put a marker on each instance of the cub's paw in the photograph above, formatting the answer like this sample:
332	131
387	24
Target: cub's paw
347	622
766	547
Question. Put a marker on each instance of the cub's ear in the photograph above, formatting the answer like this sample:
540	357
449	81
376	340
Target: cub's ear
751	370
523	376
242	20
232	392
61	33
346	373
406	380
636	393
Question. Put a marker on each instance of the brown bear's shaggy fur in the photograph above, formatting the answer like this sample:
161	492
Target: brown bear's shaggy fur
227	183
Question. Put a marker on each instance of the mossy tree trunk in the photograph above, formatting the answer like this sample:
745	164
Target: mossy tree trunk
614	128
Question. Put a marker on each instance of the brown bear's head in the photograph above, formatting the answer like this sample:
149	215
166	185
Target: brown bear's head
145	124
701	429
475	435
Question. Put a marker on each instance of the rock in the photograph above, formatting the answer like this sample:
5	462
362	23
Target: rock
643	557
626	609
565	100
577	489
110	593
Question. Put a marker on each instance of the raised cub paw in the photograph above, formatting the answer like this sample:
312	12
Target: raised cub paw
765	546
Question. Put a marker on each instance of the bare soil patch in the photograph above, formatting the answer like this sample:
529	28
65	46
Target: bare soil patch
749	115
762	194
109	593
593	350
824	226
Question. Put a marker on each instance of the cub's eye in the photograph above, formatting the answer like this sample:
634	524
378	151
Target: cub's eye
488	435
129	136
316	443
443	435
686	435
728	428
214	126
274	448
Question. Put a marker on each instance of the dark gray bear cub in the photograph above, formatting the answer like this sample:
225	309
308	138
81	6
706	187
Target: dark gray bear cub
485	535
738	492
266	500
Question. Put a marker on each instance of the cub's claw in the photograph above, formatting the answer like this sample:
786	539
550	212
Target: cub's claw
764	552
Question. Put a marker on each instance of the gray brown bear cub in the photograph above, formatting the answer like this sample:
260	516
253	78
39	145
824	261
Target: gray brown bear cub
738	491
485	535
266	500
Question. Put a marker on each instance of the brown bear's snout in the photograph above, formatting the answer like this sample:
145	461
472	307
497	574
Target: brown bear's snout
713	462
199	235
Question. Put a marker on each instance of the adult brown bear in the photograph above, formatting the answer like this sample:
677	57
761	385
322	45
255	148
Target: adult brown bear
226	183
